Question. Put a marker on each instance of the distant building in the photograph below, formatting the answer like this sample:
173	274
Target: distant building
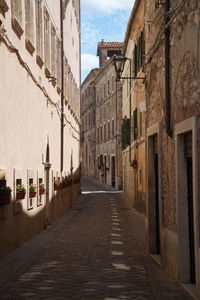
105	142
88	125
40	114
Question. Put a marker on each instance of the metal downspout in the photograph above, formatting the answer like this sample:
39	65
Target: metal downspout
167	71
62	89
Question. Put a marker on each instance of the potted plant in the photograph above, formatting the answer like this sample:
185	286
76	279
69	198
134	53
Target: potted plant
57	184
5	195
134	164
20	192
32	190
41	189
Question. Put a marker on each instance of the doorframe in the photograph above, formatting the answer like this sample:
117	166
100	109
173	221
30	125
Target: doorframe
190	125
150	221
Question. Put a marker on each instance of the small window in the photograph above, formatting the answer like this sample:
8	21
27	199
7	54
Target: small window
39	32
46	43
16	11
109	130
105	132
31	194
113	128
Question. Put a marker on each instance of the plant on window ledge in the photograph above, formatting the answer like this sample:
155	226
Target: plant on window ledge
32	190
5	195
134	164
41	189
21	192
57	184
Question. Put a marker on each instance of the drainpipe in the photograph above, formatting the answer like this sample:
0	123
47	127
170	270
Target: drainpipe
62	89
167	71
130	84
47	166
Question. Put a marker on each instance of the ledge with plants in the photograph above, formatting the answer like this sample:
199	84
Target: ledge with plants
20	192
41	189
32	190
5	195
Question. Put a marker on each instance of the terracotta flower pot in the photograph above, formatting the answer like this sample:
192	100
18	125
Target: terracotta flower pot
20	195
32	194
5	200
41	191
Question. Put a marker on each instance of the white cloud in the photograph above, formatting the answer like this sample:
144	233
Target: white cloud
89	61
105	6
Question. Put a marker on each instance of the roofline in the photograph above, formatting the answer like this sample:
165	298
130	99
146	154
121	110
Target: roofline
130	22
103	69
87	77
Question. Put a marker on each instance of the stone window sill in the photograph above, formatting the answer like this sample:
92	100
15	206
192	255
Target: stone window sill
47	72
29	46
17	28
39	61
3	7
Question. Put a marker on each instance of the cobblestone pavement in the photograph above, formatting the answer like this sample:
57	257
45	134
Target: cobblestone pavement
95	251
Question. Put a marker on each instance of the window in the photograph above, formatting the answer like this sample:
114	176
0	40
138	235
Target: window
16	11
98	135
104	131
46	43
108	87
135	129
101	134
109	130
29	26
113	83
140	123
125	133
104	90
39	32
67	82
58	61
113	128
53	50
138	54
39	202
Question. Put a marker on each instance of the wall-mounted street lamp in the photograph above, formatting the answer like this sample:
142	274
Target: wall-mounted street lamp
119	63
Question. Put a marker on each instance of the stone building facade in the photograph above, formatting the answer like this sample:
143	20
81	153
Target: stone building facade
134	111
88	125
101	119
108	117
40	114
173	135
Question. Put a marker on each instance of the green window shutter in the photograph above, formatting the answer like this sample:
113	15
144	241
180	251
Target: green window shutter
135	62
123	137
135	124
132	127
142	46
138	54
140	124
125	133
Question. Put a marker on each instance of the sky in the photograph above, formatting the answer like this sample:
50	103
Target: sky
104	19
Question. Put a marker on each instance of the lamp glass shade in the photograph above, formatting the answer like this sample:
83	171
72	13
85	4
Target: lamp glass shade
119	62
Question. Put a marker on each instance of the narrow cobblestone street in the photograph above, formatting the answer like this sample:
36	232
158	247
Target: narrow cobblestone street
95	251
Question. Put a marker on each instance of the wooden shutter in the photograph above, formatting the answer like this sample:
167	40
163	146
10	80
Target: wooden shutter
140	124
135	124
135	62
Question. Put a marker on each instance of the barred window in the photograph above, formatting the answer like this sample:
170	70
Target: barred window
29	20
46	42
39	31
16	20
58	61
53	50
